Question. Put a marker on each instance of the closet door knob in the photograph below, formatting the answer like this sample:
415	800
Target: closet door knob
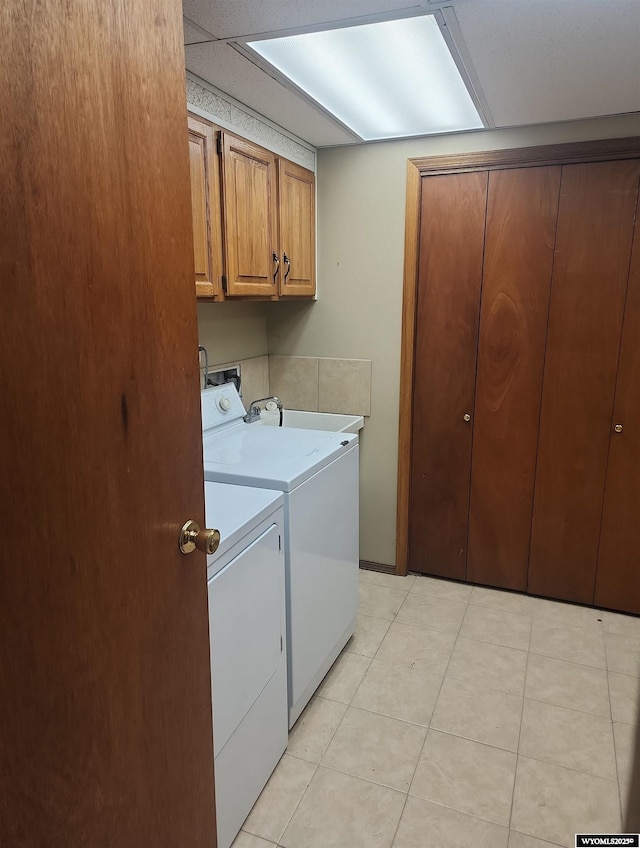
618	428
466	417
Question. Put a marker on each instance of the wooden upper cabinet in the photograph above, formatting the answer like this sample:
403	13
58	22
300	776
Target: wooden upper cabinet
249	218
296	207
253	219
205	207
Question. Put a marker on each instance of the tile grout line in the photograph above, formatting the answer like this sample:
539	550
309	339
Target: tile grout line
613	736
348	706
315	769
515	772
317	765
563	707
560	659
426	736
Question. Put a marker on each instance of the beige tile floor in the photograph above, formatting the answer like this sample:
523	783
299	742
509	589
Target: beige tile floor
459	717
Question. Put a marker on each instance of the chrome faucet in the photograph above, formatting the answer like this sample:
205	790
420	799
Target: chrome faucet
254	409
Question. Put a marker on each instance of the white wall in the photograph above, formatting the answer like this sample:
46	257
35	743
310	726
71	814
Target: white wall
232	331
361	197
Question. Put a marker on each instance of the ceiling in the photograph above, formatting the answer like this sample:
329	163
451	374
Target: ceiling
529	61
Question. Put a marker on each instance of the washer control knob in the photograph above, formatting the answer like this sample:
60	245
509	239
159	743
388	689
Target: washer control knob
224	404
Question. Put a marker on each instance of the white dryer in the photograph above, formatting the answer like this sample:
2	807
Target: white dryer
247	633
317	472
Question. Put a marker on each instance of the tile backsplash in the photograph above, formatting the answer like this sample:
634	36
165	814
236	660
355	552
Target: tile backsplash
317	384
254	376
294	379
344	385
320	384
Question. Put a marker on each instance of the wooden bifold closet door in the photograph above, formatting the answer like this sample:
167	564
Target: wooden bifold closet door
618	577
451	244
593	246
525	433
518	258
495	231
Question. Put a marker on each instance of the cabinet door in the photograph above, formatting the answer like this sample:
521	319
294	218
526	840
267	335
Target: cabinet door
593	246
205	208
297	200
448	303
249	198
522	209
618	579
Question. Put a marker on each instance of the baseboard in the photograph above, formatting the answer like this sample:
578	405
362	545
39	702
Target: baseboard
377	566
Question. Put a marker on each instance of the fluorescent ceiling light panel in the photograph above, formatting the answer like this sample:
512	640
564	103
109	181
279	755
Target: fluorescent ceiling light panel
385	80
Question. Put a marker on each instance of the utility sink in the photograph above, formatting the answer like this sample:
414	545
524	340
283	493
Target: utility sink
331	421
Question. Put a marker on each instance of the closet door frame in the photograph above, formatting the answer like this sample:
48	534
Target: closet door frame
554	154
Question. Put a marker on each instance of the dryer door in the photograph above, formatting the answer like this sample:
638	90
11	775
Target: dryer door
246	631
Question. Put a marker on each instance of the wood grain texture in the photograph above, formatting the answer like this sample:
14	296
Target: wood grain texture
201	250
297	229
450	275
618	577
407	364
205	207
593	245
250	218
520	235
105	713
547	154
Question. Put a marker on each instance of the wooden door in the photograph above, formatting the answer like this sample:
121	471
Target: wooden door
205	207
105	712
593	245
618	582
449	280
522	210
250	223
297	218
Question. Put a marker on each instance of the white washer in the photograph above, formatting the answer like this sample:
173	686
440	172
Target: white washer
247	635
317	472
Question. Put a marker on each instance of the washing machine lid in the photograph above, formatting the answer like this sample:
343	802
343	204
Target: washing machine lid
235	511
271	457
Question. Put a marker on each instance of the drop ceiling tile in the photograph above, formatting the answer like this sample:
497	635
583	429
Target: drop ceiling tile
243	17
227	70
553	61
193	34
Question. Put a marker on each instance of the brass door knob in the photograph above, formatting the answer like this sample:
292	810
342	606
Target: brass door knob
192	537
466	417
618	428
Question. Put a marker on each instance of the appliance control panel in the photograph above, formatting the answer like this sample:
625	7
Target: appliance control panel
221	405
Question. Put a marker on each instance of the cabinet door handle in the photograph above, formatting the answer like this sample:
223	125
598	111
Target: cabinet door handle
277	261
287	262
618	428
